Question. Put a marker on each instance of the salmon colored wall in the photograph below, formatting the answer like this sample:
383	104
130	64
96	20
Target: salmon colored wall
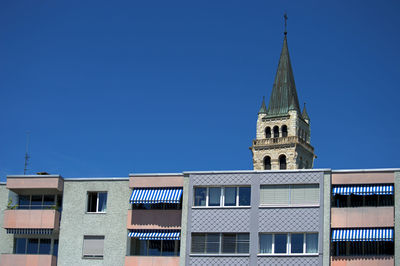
362	217
151	261
38	219
27	260
362	178
35	183
365	261
154	219
156	181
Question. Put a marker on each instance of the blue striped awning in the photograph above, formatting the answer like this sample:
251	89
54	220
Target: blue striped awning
29	231
363	190
367	234
156	195
156	234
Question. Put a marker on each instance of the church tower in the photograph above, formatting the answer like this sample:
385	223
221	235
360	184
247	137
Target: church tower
283	131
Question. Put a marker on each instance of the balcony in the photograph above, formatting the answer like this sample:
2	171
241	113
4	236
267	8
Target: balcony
155	181
31	219
281	142
154	219
362	217
363	261
22	183
27	260
156	261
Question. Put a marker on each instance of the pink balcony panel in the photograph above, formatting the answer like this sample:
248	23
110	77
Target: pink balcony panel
35	182
27	260
362	261
362	217
154	219
34	219
156	181
362	178
151	261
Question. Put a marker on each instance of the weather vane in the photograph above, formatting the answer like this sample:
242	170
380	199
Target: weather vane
285	17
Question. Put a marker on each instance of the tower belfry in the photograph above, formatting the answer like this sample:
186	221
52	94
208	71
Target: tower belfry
283	131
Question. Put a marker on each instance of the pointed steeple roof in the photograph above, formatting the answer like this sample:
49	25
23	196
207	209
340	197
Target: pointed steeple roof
263	108
305	114
284	94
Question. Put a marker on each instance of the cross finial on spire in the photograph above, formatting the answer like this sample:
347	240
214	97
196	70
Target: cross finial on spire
285	17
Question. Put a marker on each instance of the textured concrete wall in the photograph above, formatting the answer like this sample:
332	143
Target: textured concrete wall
325	237
254	219
6	240
75	222
184	222
397	218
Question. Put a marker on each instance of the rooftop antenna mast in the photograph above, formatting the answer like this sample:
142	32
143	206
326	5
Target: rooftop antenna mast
285	17
26	153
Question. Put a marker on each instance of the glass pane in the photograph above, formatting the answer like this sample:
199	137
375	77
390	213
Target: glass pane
198	243
24	202
138	247
266	243
228	243
55	247
312	243
168	247
212	245
92	201
154	248
102	201
200	196
280	243
296	242
244	196
230	196
214	196
36	202
44	246
33	244
20	245
48	200
243	243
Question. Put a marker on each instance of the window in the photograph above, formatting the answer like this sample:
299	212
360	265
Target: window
290	195
157	206
93	246
97	202
154	247
362	248
282	162
220	243
267	163
268	133
284	131
289	243
222	196
276	132
37	202
33	245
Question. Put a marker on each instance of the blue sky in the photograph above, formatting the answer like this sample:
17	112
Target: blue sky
108	88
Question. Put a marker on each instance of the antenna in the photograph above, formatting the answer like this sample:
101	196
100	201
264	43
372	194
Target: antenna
26	153
285	17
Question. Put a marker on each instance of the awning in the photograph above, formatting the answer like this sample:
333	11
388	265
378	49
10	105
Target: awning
368	234
363	190
156	195
29	231
156	234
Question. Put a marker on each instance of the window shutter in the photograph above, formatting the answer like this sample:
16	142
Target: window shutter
274	195
93	246
304	194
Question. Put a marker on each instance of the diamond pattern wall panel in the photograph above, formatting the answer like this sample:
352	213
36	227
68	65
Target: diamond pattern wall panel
284	261
288	219
220	220
228	261
290	178
221	179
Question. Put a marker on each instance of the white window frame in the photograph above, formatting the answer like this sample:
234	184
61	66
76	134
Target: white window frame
97	201
288	245
222	197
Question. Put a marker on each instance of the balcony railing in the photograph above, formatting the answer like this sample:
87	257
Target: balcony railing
282	141
31	219
34	207
27	259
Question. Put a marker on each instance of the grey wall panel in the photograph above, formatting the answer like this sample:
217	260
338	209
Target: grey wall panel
228	261
289	219
290	178
221	179
220	220
284	261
